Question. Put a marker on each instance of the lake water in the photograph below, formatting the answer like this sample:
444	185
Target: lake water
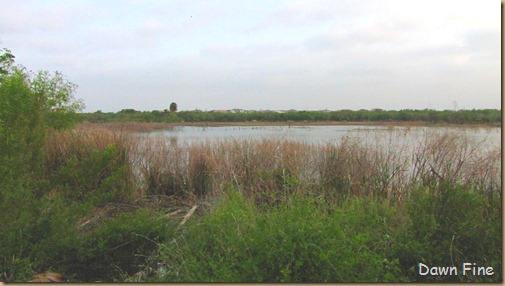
490	136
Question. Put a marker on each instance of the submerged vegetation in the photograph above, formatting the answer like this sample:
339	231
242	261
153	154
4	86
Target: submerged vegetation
98	204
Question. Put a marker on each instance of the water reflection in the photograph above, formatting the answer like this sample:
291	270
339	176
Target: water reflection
323	134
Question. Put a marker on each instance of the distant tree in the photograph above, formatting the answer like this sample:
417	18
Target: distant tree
127	111
173	107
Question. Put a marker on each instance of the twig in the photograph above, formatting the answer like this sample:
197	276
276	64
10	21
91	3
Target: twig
188	215
174	213
147	238
435	173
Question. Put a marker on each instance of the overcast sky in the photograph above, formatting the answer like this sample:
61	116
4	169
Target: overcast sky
263	54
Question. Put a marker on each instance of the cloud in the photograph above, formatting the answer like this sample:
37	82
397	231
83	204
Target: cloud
263	54
150	27
37	16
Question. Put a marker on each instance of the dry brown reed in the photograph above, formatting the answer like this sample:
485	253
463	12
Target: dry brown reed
161	166
353	168
128	126
453	159
80	142
269	170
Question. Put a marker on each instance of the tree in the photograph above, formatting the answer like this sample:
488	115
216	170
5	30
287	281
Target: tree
30	104
173	107
6	61
52	93
57	95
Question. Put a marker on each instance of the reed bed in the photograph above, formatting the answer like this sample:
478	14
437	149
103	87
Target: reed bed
267	170
128	126
453	159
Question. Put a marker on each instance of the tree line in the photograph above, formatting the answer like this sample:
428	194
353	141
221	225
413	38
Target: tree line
473	116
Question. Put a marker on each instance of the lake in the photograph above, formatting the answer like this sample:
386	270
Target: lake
489	136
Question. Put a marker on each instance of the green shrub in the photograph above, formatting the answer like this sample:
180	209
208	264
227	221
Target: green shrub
16	269
26	100
21	128
19	215
97	178
450	225
358	240
115	248
302	241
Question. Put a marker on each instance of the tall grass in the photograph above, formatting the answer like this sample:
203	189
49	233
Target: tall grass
84	163
269	169
453	159
128	126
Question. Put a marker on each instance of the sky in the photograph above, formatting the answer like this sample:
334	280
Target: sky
263	54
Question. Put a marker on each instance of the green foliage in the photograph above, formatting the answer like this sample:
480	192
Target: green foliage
305	240
118	246
451	225
6	61
359	240
483	116
21	126
16	269
21	156
46	230
35	224
58	100
98	177
173	107
19	214
44	99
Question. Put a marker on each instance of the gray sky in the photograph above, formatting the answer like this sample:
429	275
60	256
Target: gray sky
263	54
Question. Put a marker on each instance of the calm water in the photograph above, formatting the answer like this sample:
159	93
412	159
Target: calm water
490	136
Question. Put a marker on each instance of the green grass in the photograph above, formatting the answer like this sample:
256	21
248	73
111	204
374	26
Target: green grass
305	239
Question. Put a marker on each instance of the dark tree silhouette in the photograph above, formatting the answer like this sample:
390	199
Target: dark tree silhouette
173	107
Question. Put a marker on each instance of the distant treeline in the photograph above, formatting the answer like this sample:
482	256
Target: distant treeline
376	115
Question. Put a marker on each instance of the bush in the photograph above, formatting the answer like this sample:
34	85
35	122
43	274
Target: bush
450	225
117	247
302	241
306	239
27	102
17	269
100	177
